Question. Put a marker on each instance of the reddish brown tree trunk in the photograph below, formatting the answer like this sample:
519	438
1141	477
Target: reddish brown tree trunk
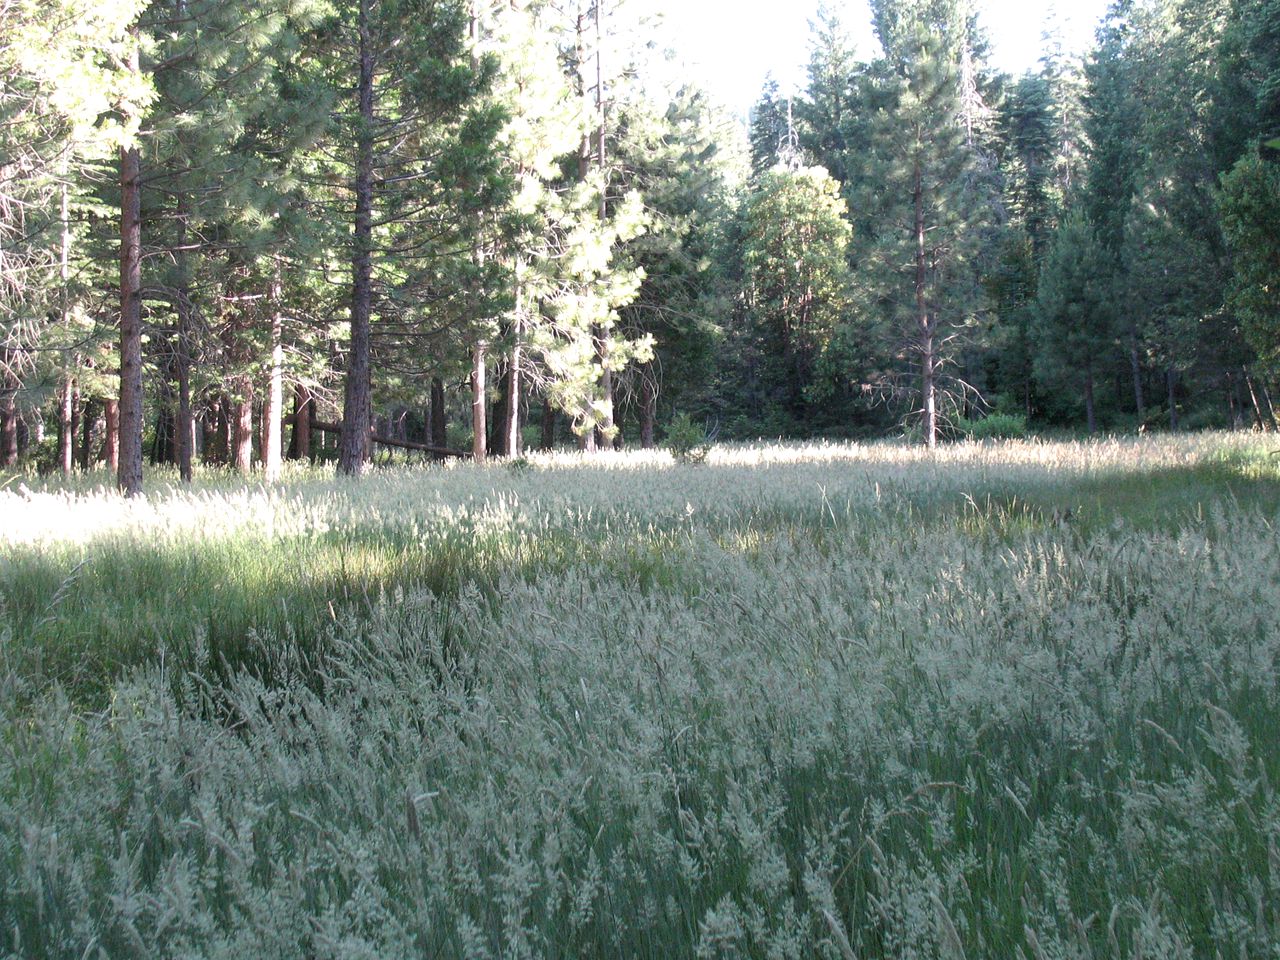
303	408
111	434
439	433
242	420
129	449
548	425
88	419
648	407
353	448
8	425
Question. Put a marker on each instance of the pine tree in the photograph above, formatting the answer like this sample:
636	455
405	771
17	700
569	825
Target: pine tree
796	276
770	128
1072	332
828	111
416	150
1251	219
926	194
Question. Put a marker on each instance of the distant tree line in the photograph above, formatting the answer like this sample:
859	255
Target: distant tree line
234	233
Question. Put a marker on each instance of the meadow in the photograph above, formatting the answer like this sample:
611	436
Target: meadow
1014	700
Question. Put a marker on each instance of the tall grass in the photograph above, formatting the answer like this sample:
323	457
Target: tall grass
1018	700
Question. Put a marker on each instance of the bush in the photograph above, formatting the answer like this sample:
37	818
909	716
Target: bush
996	426
687	441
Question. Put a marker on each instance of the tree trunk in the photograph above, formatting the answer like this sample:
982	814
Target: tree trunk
8	423
439	432
353	447
242	428
928	374
186	427
129	450
514	441
163	443
1088	400
1253	400
273	405
303	410
1135	369
66	427
1171	383
497	422
548	425
186	438
88	419
1271	408
648	407
478	449
111	434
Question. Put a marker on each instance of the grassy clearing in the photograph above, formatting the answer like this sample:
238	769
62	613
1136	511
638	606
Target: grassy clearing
800	701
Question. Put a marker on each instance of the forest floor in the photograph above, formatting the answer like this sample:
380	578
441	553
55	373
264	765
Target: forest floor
1008	700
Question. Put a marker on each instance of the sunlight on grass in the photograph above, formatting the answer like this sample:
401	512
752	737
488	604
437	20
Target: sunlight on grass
802	698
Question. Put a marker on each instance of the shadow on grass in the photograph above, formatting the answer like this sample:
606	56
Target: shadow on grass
80	619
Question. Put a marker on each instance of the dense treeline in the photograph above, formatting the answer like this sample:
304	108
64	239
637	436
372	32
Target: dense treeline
231	233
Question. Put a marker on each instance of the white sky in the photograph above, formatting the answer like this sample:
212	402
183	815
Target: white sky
731	45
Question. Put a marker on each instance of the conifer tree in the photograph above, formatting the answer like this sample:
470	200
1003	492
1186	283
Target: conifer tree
925	193
415	136
796	275
1074	313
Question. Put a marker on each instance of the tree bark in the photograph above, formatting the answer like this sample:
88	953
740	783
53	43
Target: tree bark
111	434
648	407
1135	369
1271	408
1253	400
928	375
513	441
8	423
242	427
303	409
1171	383
478	447
439	432
186	439
273	404
88	419
66	427
548	425
497	421
129	449
353	447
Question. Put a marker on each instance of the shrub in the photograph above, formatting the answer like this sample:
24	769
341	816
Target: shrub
996	426
687	440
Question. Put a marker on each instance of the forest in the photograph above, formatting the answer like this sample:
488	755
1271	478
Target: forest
232	234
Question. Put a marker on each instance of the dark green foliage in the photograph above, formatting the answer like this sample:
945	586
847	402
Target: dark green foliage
1251	221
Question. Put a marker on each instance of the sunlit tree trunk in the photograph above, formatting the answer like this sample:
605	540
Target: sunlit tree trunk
111	434
478	446
357	400
66	427
439	425
129	449
303	406
273	404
